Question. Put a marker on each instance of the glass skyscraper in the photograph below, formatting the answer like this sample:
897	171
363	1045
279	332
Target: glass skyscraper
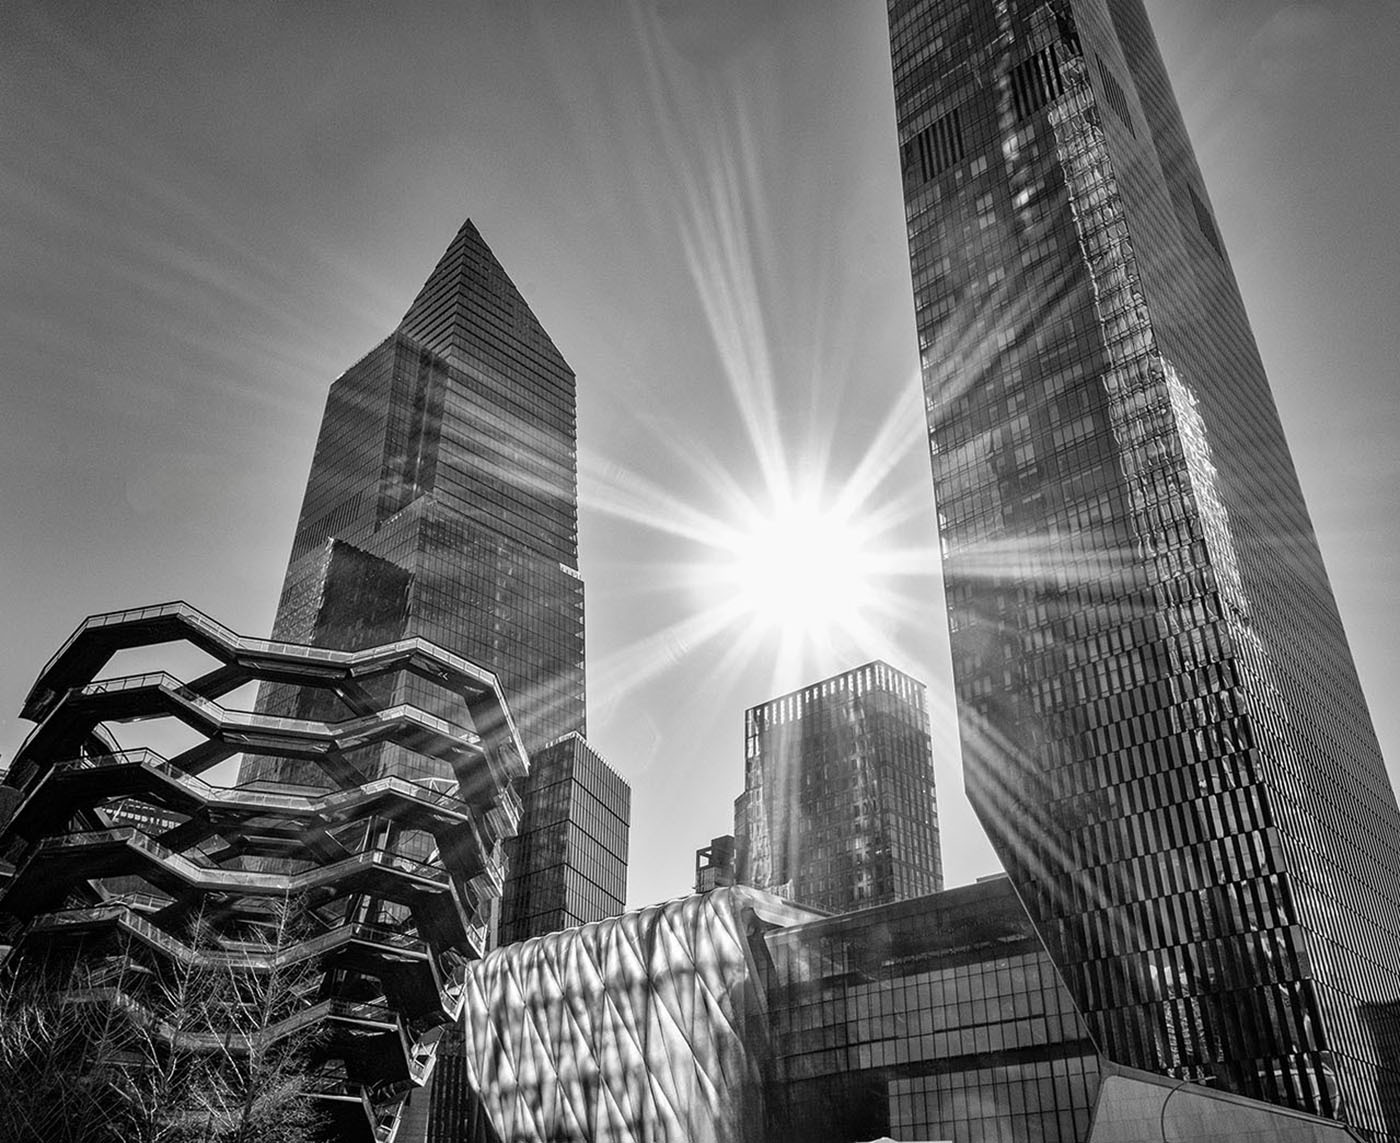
838	810
564	881
1162	727
443	503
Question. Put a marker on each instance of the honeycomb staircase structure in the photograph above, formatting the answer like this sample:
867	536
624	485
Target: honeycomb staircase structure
393	863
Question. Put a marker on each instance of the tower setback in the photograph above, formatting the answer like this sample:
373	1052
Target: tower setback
443	503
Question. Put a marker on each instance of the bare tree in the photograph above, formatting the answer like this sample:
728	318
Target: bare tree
210	1045
44	1093
262	1071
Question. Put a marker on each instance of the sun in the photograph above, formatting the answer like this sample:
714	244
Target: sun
802	560
799	566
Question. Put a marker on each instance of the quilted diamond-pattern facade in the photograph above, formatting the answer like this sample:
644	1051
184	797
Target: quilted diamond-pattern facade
648	1026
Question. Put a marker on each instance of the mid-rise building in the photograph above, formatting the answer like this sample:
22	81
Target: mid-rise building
838	809
559	879
647	1026
1162	727
442	503
936	1018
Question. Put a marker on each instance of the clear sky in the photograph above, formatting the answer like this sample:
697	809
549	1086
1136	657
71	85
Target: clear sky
209	210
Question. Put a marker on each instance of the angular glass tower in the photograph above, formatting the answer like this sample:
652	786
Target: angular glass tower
443	503
1162	727
838	810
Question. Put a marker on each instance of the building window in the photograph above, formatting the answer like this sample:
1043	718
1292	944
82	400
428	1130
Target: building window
934	149
1036	81
1115	98
1206	223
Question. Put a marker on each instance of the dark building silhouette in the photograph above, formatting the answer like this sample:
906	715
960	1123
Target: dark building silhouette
1161	724
714	864
442	502
838	810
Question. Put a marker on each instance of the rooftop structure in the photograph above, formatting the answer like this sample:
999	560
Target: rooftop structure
714	864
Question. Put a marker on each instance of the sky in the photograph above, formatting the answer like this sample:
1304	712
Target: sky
208	211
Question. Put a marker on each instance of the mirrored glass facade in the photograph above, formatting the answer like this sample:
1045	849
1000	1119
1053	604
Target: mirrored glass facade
443	496
940	1018
1161	724
561	883
443	502
838	809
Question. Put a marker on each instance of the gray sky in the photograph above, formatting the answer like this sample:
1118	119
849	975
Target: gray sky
209	210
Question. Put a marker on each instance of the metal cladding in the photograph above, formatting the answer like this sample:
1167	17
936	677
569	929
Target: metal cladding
735	1016
394	878
643	1026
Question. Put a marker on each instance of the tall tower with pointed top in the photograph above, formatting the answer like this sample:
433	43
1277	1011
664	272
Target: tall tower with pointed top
443	503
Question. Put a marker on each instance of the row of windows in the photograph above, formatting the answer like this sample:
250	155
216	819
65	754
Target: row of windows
1067	1084
1209	759
1037	81
873	677
481	338
820	1052
934	149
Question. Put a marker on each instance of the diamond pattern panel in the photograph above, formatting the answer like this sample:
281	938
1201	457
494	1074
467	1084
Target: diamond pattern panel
644	1026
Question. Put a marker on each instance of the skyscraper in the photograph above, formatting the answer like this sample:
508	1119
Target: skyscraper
443	502
838	810
1162	727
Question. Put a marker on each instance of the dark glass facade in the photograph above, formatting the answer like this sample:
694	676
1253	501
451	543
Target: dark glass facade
838	809
1162	727
443	502
443	496
939	1018
564	879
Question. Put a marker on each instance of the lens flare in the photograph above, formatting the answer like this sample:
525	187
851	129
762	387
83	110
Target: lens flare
800	568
